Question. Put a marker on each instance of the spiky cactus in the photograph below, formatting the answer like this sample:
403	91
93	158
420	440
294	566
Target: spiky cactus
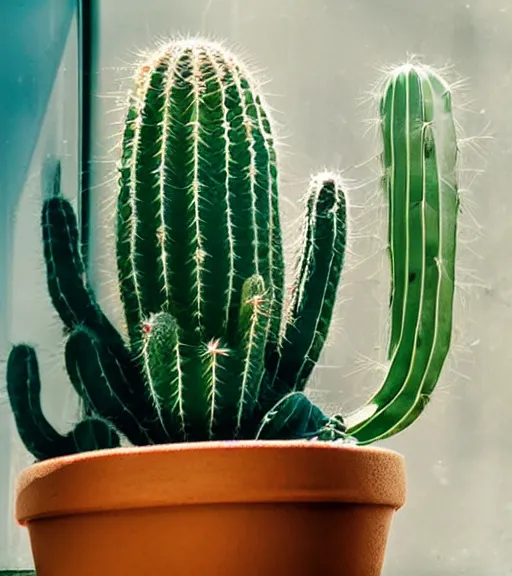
198	237
420	174
38	435
210	351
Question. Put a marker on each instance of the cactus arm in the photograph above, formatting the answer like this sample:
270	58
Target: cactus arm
37	434
70	293
294	417
161	360
236	374
253	327
316	283
24	390
428	146
99	379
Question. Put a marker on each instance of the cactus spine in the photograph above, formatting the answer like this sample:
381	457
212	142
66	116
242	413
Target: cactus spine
211	352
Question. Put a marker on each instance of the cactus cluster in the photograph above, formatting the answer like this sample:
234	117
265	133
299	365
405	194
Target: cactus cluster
211	350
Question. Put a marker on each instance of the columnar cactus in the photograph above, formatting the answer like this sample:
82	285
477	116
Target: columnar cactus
199	237
210	353
420	174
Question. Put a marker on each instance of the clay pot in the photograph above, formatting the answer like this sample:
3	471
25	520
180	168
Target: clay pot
213	509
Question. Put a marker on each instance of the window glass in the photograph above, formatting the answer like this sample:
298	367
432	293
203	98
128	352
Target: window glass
39	109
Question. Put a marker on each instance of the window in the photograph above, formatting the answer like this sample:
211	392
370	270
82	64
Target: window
39	103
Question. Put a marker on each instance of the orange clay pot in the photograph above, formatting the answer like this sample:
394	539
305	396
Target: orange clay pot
213	509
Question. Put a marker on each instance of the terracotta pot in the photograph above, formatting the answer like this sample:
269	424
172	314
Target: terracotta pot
213	509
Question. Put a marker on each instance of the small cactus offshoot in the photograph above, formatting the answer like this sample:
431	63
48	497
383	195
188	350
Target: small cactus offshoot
211	352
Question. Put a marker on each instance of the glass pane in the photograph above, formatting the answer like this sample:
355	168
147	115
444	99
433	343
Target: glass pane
39	108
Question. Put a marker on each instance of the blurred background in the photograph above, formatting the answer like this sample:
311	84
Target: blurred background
318	61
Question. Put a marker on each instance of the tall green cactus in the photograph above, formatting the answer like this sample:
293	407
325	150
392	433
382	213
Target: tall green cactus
197	221
420	156
211	352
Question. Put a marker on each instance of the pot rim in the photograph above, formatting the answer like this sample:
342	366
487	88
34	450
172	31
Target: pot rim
202	473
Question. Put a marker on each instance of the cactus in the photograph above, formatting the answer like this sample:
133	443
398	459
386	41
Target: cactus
38	435
197	218
419	158
211	351
316	282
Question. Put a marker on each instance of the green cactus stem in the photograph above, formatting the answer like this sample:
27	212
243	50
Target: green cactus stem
38	435
316	282
420	157
78	309
197	217
163	366
295	417
71	296
76	305
99	380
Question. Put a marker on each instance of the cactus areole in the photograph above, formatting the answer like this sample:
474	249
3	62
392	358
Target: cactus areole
211	350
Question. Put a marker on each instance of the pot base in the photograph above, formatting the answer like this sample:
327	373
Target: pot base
257	540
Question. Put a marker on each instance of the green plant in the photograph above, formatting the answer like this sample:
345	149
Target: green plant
211	354
420	180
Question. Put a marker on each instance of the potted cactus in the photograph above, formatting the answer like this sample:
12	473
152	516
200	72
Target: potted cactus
232	468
